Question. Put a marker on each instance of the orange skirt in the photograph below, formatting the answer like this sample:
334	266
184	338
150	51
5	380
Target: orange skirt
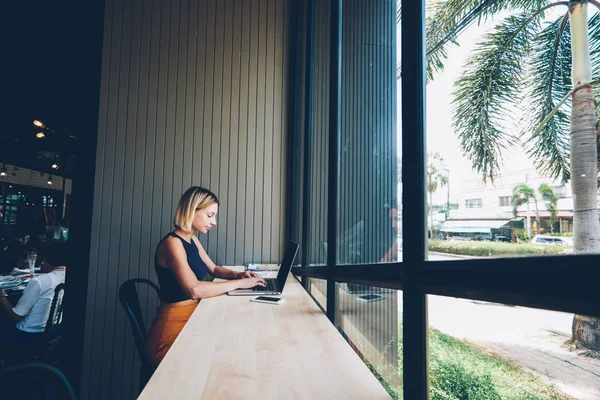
169	321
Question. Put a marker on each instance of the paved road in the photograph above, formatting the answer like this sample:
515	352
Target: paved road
532	338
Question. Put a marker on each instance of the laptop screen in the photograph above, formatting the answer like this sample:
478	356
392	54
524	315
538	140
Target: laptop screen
286	264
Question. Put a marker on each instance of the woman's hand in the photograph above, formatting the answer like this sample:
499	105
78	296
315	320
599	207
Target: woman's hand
247	274
247	283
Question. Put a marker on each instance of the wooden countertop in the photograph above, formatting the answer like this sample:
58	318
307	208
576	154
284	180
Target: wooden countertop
232	348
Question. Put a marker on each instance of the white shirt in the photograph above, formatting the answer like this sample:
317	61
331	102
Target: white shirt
37	297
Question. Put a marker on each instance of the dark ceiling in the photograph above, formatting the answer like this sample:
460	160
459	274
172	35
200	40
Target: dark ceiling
46	75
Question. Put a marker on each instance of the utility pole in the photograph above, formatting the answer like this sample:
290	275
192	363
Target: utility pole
528	211
448	196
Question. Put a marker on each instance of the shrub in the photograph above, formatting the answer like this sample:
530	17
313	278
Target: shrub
483	249
522	236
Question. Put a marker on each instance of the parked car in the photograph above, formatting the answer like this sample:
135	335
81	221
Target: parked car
553	240
500	238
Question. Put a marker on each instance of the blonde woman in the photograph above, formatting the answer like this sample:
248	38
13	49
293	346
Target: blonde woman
181	264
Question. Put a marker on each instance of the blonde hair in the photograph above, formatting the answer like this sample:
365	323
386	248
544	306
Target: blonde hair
195	198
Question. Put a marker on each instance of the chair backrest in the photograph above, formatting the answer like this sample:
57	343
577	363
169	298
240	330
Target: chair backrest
35	380
53	331
128	295
54	322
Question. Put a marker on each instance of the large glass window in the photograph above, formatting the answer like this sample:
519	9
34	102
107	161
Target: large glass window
499	103
9	208
499	179
368	212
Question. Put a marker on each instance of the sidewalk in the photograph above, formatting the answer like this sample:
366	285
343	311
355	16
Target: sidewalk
546	357
534	339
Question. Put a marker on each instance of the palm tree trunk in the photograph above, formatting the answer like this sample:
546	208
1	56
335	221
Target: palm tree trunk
528	220
431	213
584	163
537	218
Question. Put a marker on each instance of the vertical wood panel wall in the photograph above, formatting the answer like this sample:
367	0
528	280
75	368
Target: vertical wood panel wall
194	92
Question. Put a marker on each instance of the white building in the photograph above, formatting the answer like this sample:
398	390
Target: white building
489	204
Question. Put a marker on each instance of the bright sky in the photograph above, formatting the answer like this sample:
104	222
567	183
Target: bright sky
441	137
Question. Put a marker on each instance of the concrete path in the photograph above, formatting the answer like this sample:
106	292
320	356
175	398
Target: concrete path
532	338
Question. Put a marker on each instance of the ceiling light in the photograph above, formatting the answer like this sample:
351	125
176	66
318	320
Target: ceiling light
49	179
55	165
40	135
3	171
38	123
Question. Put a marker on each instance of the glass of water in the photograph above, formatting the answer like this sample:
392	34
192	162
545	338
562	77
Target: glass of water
31	257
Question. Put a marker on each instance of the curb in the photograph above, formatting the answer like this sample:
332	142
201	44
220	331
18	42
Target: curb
460	256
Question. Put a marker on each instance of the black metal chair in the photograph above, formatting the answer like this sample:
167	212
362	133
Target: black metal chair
34	381
128	295
54	325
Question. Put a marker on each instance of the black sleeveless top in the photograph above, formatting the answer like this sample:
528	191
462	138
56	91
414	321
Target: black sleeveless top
170	291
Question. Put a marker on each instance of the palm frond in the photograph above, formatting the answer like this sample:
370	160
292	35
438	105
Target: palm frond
447	19
521	195
548	82
550	198
548	193
492	78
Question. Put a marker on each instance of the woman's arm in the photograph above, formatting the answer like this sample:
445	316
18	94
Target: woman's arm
218	271
176	260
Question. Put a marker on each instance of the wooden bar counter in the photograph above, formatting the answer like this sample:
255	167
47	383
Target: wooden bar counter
232	348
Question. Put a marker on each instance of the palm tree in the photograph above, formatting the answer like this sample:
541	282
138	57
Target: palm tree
546	65
436	178
551	201
523	194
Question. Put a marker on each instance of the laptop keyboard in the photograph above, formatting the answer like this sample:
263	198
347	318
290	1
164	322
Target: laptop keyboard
271	286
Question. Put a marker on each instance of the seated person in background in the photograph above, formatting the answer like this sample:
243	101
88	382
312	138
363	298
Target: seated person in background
22	325
62	231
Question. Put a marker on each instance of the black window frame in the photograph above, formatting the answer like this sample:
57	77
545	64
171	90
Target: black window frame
524	281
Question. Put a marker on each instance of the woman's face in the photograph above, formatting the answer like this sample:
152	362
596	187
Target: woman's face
205	218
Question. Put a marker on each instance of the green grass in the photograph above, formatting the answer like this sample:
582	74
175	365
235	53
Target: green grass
481	248
460	371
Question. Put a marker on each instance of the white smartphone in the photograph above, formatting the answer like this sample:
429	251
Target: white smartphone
367	298
268	300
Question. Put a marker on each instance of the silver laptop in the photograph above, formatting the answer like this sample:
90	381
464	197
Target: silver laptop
274	285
